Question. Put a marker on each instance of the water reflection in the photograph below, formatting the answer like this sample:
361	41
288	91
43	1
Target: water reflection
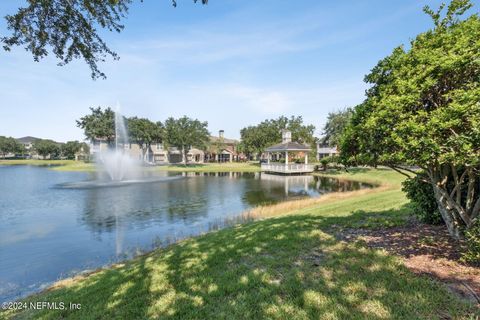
66	230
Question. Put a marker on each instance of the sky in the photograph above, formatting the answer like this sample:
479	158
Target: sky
232	63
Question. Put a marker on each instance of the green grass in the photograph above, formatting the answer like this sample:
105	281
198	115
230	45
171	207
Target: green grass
286	267
59	165
71	165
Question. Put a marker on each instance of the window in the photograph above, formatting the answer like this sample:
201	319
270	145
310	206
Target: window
159	146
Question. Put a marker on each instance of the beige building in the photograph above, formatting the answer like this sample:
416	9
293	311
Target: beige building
155	154
220	149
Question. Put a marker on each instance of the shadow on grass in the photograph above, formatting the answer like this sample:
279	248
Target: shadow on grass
290	267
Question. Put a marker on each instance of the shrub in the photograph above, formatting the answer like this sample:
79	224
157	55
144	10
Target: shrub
422	199
472	240
325	161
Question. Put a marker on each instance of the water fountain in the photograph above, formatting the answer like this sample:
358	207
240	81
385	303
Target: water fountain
116	167
117	162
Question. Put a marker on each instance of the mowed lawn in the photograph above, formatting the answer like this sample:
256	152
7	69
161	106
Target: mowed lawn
71	165
286	267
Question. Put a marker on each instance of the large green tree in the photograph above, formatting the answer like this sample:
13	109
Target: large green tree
185	133
255	139
68	29
46	148
145	132
99	124
336	124
423	110
70	148
10	145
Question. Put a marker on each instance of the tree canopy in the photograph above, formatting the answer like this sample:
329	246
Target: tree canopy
10	145
70	148
99	124
144	132
256	138
185	133
336	124
68	29
423	109
46	148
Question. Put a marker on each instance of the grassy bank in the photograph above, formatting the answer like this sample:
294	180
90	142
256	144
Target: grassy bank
286	267
60	165
71	165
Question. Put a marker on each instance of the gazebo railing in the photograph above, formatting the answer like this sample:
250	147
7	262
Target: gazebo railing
287	168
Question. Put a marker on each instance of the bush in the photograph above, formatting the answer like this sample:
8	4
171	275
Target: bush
472	240
325	161
423	200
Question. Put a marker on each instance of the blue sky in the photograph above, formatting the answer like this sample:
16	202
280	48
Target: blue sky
231	63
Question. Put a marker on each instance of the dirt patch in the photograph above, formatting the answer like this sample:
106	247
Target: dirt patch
426	250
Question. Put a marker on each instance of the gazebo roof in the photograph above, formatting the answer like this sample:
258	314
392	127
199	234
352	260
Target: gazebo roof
288	146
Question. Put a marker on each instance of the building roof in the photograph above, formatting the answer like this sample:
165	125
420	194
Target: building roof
288	146
224	140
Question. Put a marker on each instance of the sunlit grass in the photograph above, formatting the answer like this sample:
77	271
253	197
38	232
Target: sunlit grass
289	266
71	165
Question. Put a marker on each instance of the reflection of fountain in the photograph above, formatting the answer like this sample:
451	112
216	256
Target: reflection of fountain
117	162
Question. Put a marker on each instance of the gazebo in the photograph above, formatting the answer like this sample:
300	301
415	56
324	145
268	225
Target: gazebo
282	150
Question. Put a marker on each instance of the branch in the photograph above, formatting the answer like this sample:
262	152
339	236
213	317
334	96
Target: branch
461	211
476	209
398	169
458	182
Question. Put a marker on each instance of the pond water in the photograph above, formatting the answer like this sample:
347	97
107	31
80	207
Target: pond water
50	230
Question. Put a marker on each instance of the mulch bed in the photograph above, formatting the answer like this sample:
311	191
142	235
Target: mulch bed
426	250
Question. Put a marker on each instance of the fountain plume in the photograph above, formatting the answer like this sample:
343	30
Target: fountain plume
117	161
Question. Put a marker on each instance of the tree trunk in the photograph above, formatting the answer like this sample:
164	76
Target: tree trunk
184	153
448	214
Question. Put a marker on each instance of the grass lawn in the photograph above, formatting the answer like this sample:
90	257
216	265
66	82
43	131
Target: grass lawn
60	165
290	266
71	165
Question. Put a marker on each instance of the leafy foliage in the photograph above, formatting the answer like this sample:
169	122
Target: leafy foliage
68	29
423	109
336	124
70	148
99	124
185	133
422	199
145	132
10	145
472	239
46	148
325	161
256	138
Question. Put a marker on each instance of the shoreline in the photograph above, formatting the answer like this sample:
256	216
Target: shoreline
252	215
193	276
72	165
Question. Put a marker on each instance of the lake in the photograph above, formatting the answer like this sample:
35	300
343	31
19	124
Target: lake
51	230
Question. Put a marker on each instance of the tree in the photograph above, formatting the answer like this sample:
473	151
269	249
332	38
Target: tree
336	124
70	148
255	139
46	148
423	109
144	132
10	145
185	133
68	29
99	124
